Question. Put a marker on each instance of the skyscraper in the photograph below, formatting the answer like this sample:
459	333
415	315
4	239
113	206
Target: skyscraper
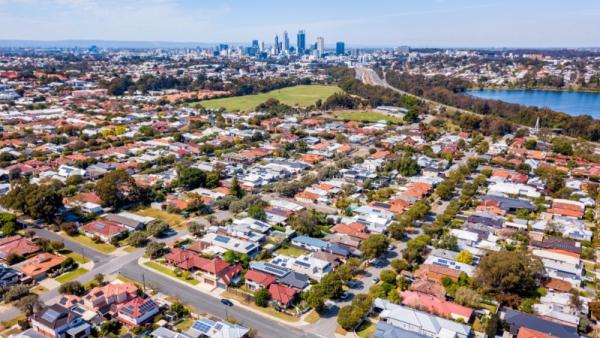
320	45
276	44
301	42
340	48
286	41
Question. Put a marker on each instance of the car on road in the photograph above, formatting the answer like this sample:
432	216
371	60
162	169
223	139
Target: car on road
375	280
168	233
226	301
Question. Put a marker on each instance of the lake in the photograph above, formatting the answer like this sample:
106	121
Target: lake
572	103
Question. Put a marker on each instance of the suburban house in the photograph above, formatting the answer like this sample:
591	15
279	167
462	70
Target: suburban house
440	307
561	265
37	267
256	280
204	327
105	229
8	276
130	221
101	298
313	267
283	295
419	322
215	272
56	321
137	311
17	245
518	320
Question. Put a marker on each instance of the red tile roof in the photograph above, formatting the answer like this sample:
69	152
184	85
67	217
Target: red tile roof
265	280
282	294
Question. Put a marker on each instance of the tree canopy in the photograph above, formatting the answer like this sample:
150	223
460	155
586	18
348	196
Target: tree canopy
505	271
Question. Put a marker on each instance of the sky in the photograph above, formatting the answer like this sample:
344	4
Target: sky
376	23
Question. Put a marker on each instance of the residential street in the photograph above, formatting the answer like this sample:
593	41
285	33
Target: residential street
126	264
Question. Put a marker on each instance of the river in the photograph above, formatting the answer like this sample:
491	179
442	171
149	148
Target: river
572	103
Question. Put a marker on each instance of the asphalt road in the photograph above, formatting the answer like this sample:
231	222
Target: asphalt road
127	266
203	302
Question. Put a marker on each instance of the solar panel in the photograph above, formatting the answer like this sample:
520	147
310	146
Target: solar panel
222	239
202	326
219	326
99	225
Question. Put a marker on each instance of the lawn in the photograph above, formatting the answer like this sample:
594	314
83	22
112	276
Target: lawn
71	275
10	323
86	241
268	310
163	269
302	96
290	251
312	317
185	324
368	117
76	257
130	248
173	220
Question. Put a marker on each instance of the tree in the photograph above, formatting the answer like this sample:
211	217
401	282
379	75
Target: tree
257	212
374	246
37	201
262	297
137	239
467	297
8	224
156	228
465	257
235	189
399	265
72	288
562	146
28	304
349	317
315	297
332	285
179	309
69	228
116	188
196	229
307	222
595	309
99	278
388	276
155	249
509	272
190	177
15	292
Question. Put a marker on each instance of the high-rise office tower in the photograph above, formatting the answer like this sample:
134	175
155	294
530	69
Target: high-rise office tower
286	41
301	42
340	48
320	45
255	44
276	44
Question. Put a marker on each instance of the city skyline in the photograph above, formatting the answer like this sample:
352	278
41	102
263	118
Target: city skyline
432	23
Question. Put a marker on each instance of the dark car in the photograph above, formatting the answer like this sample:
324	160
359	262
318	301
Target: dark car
226	302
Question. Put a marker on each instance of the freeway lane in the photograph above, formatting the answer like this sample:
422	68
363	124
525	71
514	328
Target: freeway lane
203	302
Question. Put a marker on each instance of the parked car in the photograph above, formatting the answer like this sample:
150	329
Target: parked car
226	302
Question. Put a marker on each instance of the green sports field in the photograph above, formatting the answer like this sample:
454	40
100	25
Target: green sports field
368	117
297	96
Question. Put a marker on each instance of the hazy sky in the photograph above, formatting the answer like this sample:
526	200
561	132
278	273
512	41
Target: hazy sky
487	23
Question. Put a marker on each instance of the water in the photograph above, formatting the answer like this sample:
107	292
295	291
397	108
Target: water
572	103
